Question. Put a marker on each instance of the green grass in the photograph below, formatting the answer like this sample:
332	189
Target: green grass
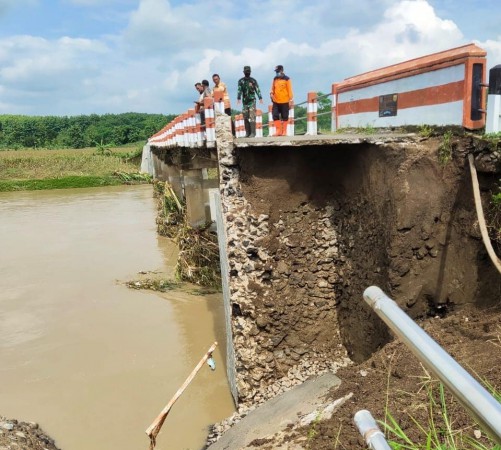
440	431
74	181
425	131
31	169
445	148
496	137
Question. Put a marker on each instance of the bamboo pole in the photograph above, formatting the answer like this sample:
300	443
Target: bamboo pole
155	427
178	203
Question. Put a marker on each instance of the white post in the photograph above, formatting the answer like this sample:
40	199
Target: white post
493	119
210	122
311	114
333	108
271	124
290	122
198	130
259	123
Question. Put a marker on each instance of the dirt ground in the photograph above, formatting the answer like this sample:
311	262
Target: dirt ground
403	221
393	380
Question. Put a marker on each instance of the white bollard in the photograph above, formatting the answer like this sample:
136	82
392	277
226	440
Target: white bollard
290	123
271	124
333	108
493	119
259	123
210	121
311	114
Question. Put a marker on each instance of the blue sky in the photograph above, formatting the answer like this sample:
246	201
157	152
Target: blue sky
71	57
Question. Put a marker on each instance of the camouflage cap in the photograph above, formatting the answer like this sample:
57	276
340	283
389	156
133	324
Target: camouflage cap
247	68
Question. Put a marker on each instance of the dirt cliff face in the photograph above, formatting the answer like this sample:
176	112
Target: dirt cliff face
311	227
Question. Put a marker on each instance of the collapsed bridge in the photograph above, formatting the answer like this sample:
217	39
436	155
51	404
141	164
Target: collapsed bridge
306	223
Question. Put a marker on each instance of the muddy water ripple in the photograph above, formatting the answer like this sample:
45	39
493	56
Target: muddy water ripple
90	360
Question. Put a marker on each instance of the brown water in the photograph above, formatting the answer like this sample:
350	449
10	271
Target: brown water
89	359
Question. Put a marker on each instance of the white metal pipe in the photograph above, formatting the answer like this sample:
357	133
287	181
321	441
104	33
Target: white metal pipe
483	406
368	428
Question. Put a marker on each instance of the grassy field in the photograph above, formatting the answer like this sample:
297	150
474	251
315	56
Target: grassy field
58	169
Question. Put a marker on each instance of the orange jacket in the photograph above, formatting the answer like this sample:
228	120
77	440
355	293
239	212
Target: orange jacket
281	89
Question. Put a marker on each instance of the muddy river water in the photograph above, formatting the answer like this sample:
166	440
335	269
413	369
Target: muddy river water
90	360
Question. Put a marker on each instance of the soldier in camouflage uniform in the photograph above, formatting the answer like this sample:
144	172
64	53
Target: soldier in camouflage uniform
248	89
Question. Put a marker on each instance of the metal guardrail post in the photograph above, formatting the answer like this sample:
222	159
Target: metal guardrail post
368	428
484	408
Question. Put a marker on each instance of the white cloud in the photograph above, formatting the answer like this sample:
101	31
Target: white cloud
38	67
408	29
5	5
166	46
90	2
156	26
493	48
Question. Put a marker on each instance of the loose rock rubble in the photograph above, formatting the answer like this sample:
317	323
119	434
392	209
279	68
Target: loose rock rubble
15	435
295	376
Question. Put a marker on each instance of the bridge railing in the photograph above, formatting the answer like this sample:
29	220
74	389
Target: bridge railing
189	130
470	393
311	117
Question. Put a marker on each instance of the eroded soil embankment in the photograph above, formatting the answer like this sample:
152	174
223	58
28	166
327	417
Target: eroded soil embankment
340	219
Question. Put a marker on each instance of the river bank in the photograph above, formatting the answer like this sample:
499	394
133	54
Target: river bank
29	435
40	169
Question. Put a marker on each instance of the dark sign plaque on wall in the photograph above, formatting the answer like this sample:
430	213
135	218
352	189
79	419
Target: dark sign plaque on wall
388	105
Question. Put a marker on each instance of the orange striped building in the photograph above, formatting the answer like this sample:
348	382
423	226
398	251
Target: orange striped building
440	89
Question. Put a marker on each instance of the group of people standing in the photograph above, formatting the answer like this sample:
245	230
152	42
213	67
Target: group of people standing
205	91
248	92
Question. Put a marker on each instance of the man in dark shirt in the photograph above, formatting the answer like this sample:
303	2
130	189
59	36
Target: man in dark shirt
247	91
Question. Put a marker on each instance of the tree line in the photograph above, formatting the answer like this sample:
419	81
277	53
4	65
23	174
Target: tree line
93	130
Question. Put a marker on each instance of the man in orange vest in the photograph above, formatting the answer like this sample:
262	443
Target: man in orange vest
281	95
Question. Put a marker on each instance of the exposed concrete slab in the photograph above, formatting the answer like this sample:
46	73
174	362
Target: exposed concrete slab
274	415
325	139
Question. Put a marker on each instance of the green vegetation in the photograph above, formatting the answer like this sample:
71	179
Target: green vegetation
368	129
425	131
198	258
441	431
445	148
69	168
78	131
312	431
59	183
496	137
495	215
153	284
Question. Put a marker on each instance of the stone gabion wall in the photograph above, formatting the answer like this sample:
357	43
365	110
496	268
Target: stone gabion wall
278	294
